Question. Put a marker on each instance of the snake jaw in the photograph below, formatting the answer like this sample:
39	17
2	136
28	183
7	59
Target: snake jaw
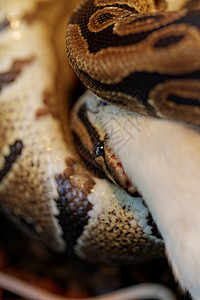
96	113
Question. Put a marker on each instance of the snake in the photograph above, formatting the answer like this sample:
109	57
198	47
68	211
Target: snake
142	59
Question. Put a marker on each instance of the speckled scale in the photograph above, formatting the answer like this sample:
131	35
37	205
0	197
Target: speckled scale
44	190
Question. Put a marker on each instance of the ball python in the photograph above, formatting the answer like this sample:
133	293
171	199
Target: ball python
142	57
44	188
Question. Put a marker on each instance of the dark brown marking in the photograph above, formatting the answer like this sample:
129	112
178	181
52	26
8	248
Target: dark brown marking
74	186
92	132
154	229
15	151
14	72
4	24
181	100
49	106
84	153
168	41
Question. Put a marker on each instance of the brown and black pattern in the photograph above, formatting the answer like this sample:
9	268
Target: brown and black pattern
74	186
15	151
14	72
132	59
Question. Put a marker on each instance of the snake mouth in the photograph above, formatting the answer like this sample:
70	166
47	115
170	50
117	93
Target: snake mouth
93	144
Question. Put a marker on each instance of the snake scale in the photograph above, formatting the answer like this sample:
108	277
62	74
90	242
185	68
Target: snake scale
143	59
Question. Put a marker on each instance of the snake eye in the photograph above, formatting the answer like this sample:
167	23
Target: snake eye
99	149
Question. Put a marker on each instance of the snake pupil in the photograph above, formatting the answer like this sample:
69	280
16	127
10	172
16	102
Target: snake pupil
99	149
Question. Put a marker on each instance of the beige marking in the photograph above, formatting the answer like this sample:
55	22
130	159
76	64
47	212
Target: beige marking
95	26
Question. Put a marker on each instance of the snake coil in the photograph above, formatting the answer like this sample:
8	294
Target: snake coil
140	57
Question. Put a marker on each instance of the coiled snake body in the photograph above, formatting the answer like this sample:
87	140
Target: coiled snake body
142	54
134	57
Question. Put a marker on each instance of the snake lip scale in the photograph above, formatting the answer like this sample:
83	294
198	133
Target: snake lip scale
142	59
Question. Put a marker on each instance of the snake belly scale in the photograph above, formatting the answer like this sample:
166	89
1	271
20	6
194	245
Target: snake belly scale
44	189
